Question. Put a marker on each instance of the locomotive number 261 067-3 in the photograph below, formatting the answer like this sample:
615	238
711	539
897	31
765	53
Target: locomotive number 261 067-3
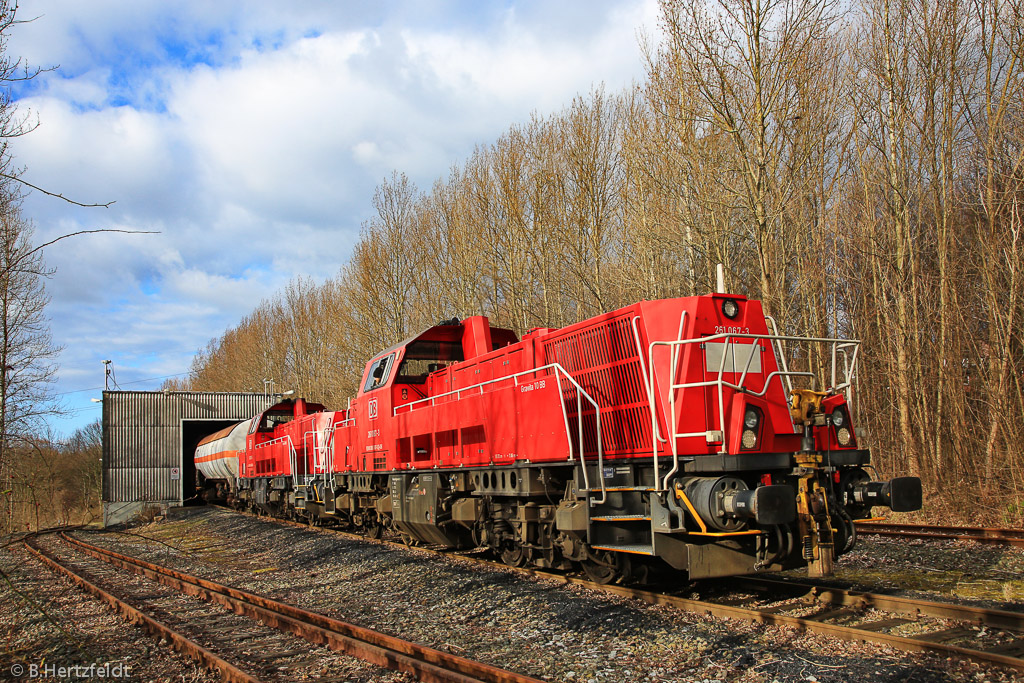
722	329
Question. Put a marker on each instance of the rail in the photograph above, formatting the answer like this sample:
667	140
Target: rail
831	615
730	356
349	420
581	394
134	615
322	441
331	433
654	413
881	527
647	386
375	647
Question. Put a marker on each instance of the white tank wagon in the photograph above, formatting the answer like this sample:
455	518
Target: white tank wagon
217	454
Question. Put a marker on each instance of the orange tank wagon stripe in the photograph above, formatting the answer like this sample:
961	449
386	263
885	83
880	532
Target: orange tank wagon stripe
222	455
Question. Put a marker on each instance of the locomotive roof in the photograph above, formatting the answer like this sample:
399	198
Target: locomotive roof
289	405
445	331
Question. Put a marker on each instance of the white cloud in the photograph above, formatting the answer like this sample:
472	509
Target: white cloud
366	152
115	153
525	64
251	135
272	129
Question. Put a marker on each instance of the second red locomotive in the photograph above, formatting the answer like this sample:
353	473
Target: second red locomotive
683	432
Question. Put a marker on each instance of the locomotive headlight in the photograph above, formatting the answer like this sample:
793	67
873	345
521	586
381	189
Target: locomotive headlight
843	436
751	427
730	308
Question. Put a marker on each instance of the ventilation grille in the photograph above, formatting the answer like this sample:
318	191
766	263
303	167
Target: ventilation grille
603	359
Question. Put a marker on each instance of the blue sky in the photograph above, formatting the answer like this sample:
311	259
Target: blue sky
251	136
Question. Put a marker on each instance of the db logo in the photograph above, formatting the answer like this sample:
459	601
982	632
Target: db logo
372	408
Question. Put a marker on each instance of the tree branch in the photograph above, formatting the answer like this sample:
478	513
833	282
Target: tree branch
89	232
24	182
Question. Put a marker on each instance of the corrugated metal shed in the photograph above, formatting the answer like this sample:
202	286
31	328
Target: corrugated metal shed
143	432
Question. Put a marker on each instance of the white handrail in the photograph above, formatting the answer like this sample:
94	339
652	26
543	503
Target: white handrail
838	346
316	455
647	384
558	371
332	440
673	368
323	454
291	454
327	448
323	446
348	417
780	352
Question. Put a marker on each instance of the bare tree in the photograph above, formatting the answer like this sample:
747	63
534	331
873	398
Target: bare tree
750	65
454	281
996	120
79	475
383	267
590	221
27	353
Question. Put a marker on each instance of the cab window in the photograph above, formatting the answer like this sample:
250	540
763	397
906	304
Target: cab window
378	375
424	357
275	418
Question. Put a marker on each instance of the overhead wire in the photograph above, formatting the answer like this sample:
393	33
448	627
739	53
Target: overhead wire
138	381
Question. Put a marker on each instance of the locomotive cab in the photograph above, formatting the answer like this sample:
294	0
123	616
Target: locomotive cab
263	426
407	368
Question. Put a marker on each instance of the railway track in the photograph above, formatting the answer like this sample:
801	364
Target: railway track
1013	537
977	634
981	635
247	637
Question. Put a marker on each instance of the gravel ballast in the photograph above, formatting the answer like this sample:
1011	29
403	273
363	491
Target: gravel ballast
47	621
534	626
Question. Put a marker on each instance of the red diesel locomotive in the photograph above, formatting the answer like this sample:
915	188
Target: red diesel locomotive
676	432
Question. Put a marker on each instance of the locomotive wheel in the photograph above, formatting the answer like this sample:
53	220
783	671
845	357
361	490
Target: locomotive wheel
516	556
374	531
604	567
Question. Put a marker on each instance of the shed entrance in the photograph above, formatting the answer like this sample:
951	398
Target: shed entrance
192	432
